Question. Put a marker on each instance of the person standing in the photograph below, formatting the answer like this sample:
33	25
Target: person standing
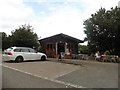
61	56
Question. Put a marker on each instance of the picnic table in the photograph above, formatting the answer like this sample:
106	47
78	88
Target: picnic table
80	56
109	58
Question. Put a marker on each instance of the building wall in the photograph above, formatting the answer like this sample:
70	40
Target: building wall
50	49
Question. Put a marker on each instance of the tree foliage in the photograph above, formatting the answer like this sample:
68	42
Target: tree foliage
24	37
83	49
21	37
0	41
6	41
103	30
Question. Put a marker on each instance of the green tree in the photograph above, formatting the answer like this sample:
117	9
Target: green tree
83	49
25	37
103	30
0	40
6	41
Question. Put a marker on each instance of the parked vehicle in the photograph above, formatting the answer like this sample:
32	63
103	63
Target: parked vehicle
20	54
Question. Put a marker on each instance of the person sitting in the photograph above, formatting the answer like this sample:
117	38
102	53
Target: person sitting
98	56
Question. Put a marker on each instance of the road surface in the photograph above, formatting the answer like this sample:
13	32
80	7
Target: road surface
47	74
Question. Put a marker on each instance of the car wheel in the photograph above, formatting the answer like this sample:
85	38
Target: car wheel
43	58
19	59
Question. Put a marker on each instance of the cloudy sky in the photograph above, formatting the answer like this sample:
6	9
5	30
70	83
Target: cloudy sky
50	17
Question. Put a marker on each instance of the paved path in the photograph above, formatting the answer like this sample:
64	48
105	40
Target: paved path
92	74
15	79
0	76
87	74
47	69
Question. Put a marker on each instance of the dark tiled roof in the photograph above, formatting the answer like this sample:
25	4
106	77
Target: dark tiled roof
61	37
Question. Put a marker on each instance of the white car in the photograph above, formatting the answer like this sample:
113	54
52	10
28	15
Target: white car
20	54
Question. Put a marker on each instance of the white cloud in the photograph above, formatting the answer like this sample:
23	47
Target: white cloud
14	13
67	20
61	19
94	5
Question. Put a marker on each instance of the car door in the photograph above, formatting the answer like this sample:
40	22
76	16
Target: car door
27	55
34	54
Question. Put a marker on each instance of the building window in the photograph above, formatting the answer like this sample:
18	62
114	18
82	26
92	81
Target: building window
50	46
47	46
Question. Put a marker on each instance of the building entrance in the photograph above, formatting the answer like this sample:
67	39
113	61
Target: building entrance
61	47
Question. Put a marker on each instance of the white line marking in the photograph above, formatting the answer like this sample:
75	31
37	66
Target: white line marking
66	73
57	81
